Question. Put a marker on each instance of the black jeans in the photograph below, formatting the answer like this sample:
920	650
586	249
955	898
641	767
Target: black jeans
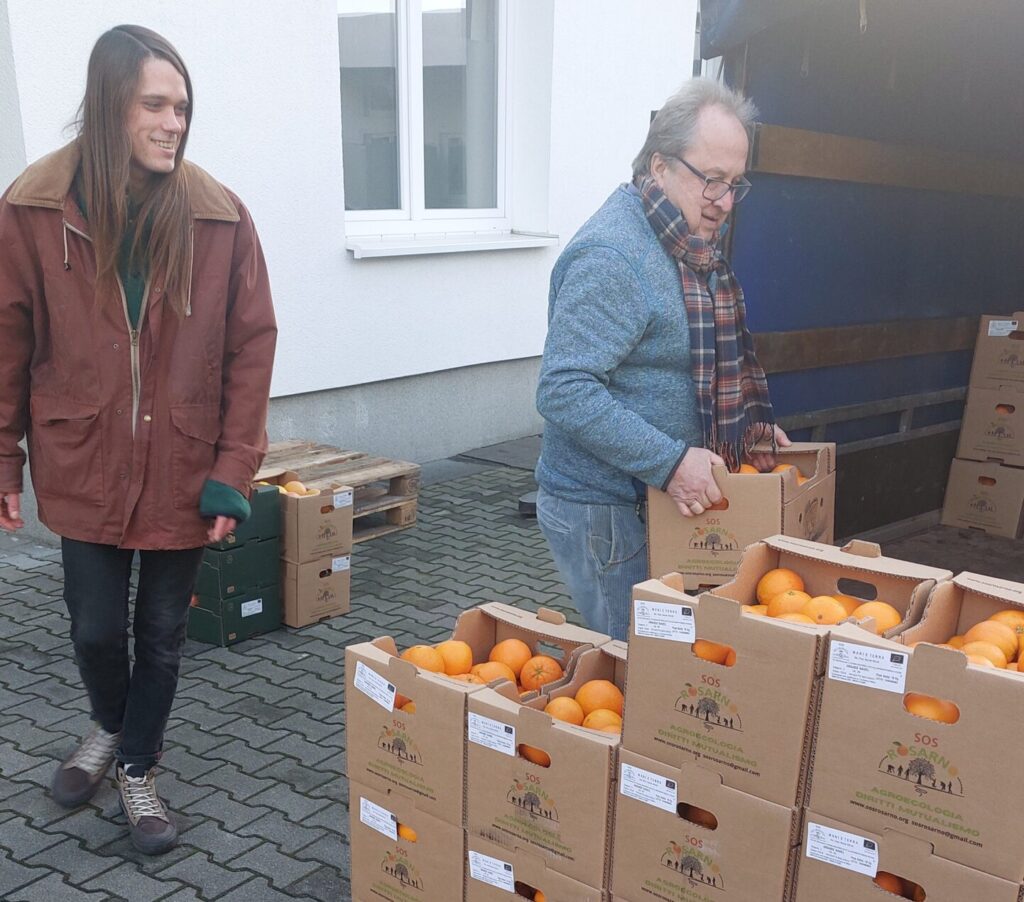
134	699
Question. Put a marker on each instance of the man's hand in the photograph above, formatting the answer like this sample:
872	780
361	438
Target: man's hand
221	527
692	486
765	460
10	512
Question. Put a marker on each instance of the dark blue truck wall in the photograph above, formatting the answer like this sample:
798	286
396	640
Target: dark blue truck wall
864	274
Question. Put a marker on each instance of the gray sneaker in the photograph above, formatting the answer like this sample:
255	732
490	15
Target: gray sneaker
81	773
151	827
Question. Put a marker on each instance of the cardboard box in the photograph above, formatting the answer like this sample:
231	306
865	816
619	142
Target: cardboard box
998	352
313	526
388	866
561	812
838	861
954	607
752	722
878	766
416	756
316	591
993	425
264	522
659	854
492	869
985	496
239	569
225	621
707	549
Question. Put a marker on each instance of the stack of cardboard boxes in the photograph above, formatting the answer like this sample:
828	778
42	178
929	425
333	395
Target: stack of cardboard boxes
986	480
237	593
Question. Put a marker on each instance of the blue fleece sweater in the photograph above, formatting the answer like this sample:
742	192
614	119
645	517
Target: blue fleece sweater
615	382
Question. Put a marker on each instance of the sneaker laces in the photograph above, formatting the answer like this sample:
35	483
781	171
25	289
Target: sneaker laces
139	794
96	751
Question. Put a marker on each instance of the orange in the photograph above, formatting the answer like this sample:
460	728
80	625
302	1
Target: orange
601	718
539	897
849	602
565	708
407	833
611	728
781	468
889	882
796	617
1012	617
540	669
758	610
884	615
295	486
914	891
987	650
932	708
699	816
400	701
776	581
1012	666
409	707
468	678
514	653
997	633
457	655
955	642
425	657
537	756
1004	410
791	601
980	661
824	609
595	694
714	652
493	670
748	468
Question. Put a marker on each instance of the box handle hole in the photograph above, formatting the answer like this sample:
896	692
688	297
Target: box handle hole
715	652
526	798
695	815
986	480
941	710
857	588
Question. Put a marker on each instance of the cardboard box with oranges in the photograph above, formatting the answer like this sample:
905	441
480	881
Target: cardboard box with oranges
918	740
838	861
706	550
680	834
316	525
498	874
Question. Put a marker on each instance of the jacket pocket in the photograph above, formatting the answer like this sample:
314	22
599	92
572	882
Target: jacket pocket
193	450
66	449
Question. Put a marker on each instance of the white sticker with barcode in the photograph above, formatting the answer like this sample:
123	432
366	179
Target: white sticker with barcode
343	499
341	563
371	683
648	787
655	620
1000	328
380	819
255	606
844	850
493	871
863	665
491	733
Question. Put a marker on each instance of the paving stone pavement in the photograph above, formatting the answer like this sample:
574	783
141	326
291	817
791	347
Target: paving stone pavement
254	751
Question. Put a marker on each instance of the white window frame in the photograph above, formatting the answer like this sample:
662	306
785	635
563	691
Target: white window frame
414	218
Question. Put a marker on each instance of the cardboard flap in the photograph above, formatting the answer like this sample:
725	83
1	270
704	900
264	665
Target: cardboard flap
862	548
855	561
718	617
1002	589
549	616
697	783
656	590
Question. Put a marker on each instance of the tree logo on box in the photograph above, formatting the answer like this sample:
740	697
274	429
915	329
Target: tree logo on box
710	706
397	742
1011	358
982	504
325	595
713	539
922	768
1000	431
326	531
399	868
531	799
689	860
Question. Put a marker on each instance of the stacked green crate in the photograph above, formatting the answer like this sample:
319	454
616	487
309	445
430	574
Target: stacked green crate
238	591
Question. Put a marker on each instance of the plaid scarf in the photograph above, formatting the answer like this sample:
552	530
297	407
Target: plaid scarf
732	392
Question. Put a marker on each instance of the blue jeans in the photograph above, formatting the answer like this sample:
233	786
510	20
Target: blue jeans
135	699
601	553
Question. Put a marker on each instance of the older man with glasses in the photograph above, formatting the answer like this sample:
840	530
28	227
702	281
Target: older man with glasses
649	376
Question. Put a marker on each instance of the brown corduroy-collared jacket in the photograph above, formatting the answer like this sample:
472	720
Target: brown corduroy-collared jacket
125	425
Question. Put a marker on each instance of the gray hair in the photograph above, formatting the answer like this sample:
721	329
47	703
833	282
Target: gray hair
671	131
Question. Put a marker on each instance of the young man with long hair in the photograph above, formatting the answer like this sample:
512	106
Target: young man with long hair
137	340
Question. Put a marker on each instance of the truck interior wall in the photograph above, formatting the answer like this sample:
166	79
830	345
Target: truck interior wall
816	254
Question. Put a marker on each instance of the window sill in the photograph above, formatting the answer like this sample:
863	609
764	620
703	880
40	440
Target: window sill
445	243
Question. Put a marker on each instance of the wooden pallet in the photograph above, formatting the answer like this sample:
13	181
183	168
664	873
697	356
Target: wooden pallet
384	491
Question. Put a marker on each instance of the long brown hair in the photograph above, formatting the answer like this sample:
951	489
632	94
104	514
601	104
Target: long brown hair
115	67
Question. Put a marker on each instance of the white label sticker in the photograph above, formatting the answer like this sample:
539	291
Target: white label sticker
341	563
845	850
1000	328
649	788
252	607
371	683
491	733
492	870
655	620
380	819
343	499
862	665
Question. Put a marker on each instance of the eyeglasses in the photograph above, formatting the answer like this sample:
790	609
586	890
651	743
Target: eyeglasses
716	189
